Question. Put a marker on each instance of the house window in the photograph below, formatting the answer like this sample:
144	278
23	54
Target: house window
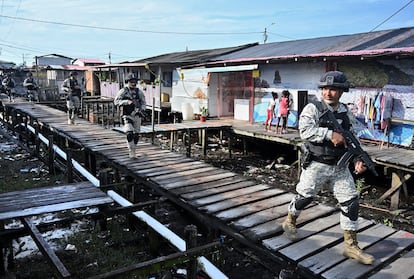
167	79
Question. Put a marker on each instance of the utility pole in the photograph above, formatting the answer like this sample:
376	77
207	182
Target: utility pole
265	33
109	56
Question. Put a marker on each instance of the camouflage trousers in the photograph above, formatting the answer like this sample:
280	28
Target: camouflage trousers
131	123
73	106
318	176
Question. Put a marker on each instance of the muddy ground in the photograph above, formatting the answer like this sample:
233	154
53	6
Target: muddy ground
91	251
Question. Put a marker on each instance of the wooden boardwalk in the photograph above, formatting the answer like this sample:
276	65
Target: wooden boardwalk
247	210
26	203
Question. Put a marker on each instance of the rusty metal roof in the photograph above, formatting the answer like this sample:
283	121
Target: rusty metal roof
378	42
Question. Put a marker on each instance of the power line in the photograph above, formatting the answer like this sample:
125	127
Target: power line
388	18
126	30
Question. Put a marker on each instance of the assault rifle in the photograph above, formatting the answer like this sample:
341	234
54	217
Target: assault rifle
137	111
354	147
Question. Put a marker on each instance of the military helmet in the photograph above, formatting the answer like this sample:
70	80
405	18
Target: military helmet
29	74
334	79
131	76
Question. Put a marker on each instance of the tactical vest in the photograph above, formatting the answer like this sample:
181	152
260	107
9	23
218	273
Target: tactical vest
326	152
75	91
133	95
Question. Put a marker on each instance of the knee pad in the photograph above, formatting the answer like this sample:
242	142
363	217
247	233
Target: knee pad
302	202
352	208
130	136
136	138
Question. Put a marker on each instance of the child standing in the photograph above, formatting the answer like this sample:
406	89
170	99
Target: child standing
270	112
283	111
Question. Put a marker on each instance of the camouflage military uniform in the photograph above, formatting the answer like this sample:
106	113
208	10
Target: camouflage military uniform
318	175
133	104
73	98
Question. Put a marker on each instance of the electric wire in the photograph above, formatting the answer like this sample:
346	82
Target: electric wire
126	30
391	16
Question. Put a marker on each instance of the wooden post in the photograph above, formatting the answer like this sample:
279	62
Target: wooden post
190	232
154	242
92	162
153	121
188	142
2	259
37	140
398	180
51	155
204	141
103	179
244	146
230	145
69	165
171	140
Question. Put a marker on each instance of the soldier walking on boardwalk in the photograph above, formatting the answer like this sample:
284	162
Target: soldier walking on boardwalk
131	100
73	99
325	148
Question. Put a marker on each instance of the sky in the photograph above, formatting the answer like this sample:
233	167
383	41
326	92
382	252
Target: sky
129	30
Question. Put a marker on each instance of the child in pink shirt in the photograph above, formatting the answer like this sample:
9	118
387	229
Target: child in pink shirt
283	111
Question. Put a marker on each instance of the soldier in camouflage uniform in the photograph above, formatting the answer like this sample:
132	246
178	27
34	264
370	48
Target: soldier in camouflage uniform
324	149
74	94
132	103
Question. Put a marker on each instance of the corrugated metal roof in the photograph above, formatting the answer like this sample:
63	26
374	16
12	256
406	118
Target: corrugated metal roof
387	39
191	56
91	60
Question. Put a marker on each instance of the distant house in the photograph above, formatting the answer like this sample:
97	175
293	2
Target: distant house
5	65
52	59
88	62
157	74
92	84
52	69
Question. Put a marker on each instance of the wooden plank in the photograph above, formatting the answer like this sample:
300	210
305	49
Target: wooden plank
46	249
155	162
54	207
113	153
250	208
227	197
209	185
316	242
145	161
34	191
274	226
160	159
179	171
197	180
382	251
278	242
48	195
50	199
216	190
191	174
329	257
402	268
260	217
